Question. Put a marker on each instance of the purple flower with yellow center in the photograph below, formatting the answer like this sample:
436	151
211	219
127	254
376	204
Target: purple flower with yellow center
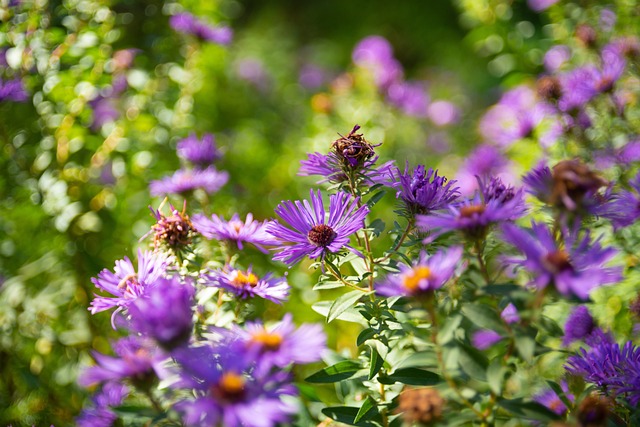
230	390
550	399
186	23
423	191
495	203
185	180
575	269
137	359
485	338
200	152
246	284
311	233
425	276
282	344
235	230
125	284
164	313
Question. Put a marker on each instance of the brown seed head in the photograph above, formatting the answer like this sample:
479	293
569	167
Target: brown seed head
593	411
549	88
572	179
353	150
321	235
422	405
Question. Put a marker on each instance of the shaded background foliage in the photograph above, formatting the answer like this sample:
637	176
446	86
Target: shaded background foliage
74	195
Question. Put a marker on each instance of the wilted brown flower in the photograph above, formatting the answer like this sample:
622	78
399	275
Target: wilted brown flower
421	405
572	179
175	231
593	411
353	150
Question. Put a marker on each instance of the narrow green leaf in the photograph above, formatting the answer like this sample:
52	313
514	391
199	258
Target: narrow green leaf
377	226
322	308
368	405
526	346
473	362
375	362
483	316
342	303
495	375
366	334
338	372
449	328
376	198
560	393
423	359
347	415
530	410
411	376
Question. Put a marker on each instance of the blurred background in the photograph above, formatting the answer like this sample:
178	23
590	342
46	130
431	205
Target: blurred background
109	87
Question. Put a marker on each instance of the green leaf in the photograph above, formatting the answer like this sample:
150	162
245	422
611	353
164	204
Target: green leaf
526	345
136	411
375	362
322	308
473	362
483	316
529	410
368	405
502	289
411	376
347	415
377	226
420	359
366	334
376	198
495	375
449	328
343	303
560	392
338	372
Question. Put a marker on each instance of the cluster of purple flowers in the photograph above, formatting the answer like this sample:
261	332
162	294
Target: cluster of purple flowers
13	90
186	23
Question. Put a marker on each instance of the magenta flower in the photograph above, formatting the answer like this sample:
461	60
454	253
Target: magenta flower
125	284
426	275
185	180
485	338
246	284
510	314
235	230
13	90
200	152
574	269
312	234
375	54
230	390
186	23
283	344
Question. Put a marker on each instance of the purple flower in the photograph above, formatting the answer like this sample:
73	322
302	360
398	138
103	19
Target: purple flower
200	152
136	359
608	19
494	203
234	230
540	5
99	413
580	324
443	113
510	314
623	208
312	76
184	180
253	71
231	390
556	57
126	284
164	313
375	54
485	338
330	167
423	191
186	23
13	90
484	161
551	400
104	111
575	269
410	97
246	284
282	345
311	233
426	275
174	231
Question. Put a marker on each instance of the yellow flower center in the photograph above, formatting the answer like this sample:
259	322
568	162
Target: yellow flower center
230	387
413	279
269	340
243	279
236	225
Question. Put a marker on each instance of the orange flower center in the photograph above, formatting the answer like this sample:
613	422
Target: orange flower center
269	340
230	387
243	279
413	279
469	211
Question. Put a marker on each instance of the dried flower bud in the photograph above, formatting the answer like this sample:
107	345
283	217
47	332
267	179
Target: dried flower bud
572	179
175	231
353	150
422	405
593	411
586	35
549	88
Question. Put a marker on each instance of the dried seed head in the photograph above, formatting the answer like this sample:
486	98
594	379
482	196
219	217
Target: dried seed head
421	405
175	231
549	88
572	179
593	411
353	150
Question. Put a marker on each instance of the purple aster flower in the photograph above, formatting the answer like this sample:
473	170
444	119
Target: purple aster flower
580	324
235	230
423	191
410	97
246	284
510	314
484	161
608	19
575	269
164	313
605	364
282	345
443	113
375	54
186	23
13	90
174	231
330	167
231	390
623	208
137	360
556	57
126	284
184	180
540	5
200	152
96	417
426	275
311	233
312	76
485	338
551	400
495	203
99	413
253	71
